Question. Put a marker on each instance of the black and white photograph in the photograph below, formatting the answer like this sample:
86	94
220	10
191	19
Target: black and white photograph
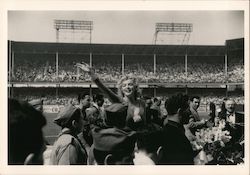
158	88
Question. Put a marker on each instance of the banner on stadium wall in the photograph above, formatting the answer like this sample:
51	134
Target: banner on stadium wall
53	108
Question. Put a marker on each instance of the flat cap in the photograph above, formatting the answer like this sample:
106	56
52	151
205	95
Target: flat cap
65	115
113	140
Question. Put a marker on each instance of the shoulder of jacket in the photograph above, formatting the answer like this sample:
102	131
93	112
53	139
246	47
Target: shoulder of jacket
65	139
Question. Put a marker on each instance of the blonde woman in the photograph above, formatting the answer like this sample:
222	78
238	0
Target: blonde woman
128	93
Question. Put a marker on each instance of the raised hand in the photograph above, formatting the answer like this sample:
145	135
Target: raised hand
84	66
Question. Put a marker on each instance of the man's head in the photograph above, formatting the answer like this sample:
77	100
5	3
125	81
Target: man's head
25	136
157	101
98	99
148	101
195	102
70	117
84	100
113	146
176	106
230	105
149	142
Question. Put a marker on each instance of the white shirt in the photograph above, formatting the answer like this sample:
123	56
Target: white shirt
231	118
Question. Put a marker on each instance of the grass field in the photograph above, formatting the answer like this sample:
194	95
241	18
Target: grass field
51	130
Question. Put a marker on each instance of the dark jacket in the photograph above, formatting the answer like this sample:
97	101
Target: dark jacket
236	130
177	149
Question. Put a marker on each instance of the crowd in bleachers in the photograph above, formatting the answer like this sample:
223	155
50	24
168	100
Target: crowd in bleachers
111	72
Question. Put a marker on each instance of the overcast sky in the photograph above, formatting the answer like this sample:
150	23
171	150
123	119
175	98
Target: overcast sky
128	27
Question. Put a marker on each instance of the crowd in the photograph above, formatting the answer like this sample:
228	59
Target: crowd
93	134
63	100
130	130
111	72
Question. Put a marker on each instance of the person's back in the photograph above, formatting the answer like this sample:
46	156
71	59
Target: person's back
68	149
176	147
26	143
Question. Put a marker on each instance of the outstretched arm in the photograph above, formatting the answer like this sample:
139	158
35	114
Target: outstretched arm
111	95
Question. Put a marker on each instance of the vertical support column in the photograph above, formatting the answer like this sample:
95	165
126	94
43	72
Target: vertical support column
11	75
90	64
90	59
123	65
12	63
57	62
206	100
186	62
226	67
57	91
154	64
78	73
9	63
154	91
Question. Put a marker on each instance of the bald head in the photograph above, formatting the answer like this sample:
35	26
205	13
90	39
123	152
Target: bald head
230	105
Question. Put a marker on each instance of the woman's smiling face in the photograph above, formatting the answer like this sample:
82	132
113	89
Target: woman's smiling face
128	87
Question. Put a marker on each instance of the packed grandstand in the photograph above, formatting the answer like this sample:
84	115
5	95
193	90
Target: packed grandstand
172	66
36	62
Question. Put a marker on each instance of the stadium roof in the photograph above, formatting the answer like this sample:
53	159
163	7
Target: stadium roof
235	44
117	49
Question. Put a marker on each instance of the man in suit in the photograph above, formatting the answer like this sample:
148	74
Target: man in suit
234	120
195	122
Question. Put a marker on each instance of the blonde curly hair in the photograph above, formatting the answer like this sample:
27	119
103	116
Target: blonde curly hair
137	90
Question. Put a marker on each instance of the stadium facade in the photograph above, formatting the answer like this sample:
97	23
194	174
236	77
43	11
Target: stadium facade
57	55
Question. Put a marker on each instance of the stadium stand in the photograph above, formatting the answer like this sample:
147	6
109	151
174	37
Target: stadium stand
36	62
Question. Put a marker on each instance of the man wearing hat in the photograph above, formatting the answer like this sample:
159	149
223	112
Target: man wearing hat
68	149
37	104
114	144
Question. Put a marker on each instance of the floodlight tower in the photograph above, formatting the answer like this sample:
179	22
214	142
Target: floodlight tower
172	33
73	31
